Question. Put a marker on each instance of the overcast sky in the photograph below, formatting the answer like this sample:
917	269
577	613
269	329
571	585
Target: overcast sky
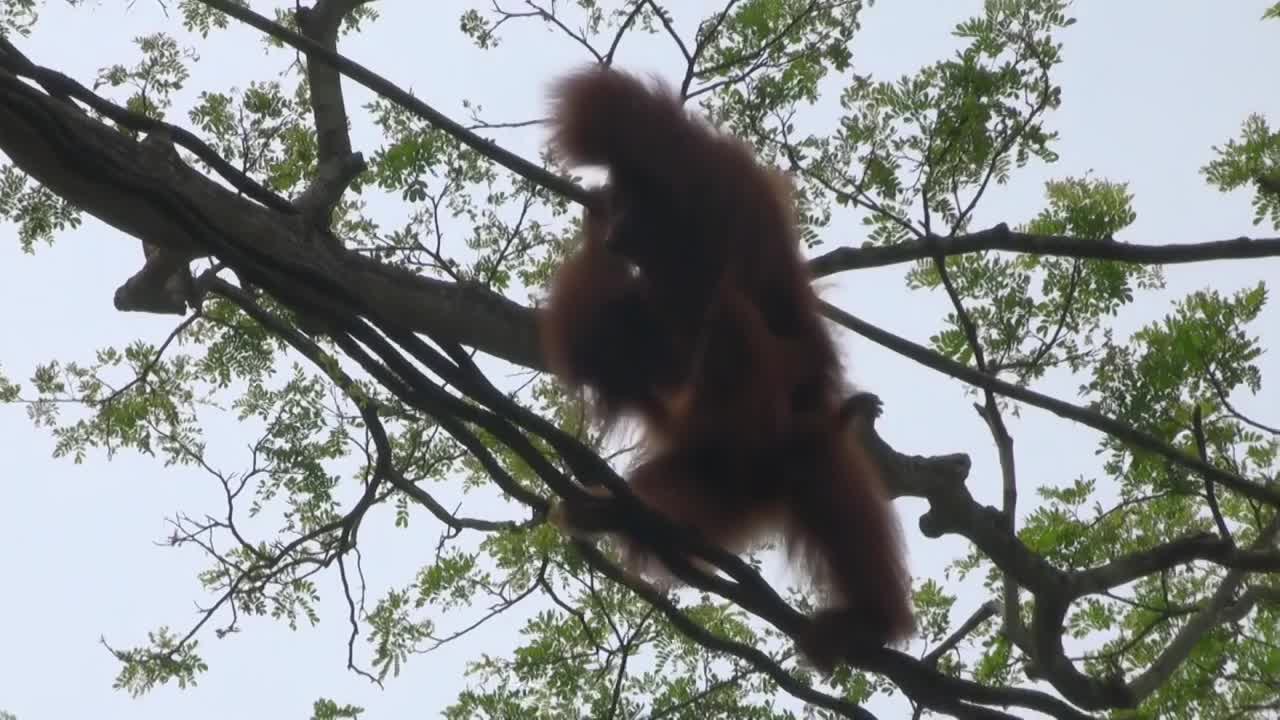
1148	88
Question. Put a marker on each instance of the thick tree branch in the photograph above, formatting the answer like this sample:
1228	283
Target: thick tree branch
162	286
1049	659
332	179
99	169
1202	546
328	108
61	86
337	165
952	695
1047	650
952	509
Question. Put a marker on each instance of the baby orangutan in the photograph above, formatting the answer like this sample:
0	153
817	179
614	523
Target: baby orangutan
689	306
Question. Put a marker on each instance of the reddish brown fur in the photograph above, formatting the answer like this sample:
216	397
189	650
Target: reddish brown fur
690	305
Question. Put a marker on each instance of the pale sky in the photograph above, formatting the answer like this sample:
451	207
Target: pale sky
1147	87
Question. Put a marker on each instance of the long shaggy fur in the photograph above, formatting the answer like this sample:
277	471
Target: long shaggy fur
690	306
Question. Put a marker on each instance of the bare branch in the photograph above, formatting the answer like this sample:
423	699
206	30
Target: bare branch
354	623
1000	237
550	16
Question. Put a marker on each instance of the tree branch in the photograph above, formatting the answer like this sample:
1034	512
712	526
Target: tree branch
1221	392
103	172
337	165
378	84
1211	494
1219	609
985	612
1001	237
702	636
320	24
1098	421
1201	546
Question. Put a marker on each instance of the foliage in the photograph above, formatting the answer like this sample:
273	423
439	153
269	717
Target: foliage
911	157
1254	159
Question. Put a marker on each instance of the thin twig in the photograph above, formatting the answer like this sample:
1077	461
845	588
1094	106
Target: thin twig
1211	494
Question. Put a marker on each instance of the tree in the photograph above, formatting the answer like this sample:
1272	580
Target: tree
369	361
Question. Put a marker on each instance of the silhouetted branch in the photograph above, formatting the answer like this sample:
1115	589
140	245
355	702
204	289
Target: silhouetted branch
1201	546
551	17
1000	237
705	38
1211	494
1116	428
671	30
622	30
985	612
